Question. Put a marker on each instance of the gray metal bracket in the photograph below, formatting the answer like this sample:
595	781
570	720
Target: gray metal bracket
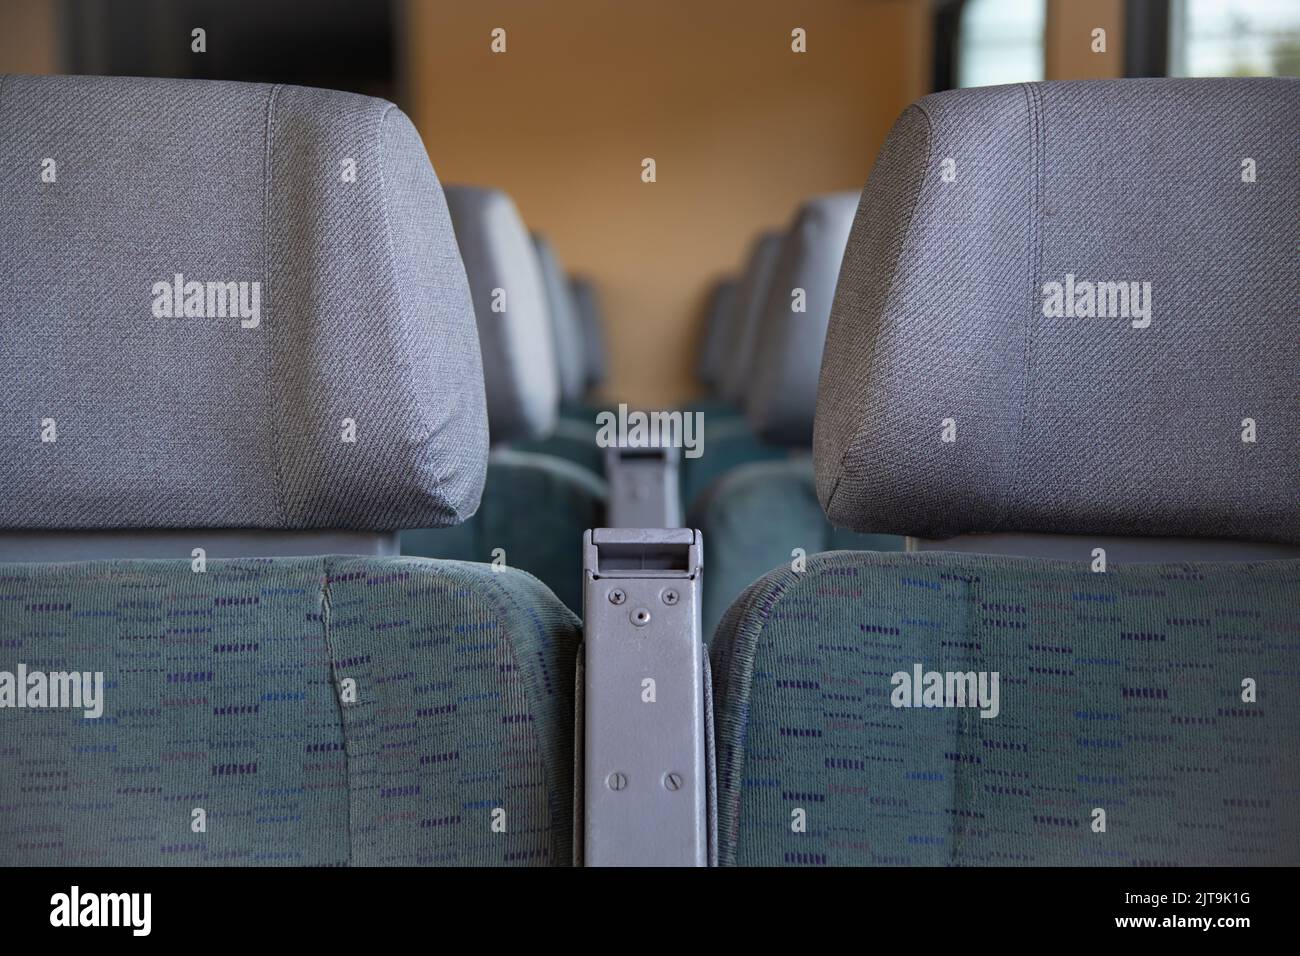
644	491
645	780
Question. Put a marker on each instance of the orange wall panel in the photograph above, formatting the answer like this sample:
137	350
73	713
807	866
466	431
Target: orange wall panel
741	129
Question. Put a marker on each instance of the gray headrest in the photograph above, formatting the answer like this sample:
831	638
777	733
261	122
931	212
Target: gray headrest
742	330
587	303
717	317
570	354
782	396
995	222
514	330
228	305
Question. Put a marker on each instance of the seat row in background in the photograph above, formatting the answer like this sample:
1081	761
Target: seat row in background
751	491
536	501
268	700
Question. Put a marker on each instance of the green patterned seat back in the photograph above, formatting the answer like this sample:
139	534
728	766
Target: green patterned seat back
317	711
1119	691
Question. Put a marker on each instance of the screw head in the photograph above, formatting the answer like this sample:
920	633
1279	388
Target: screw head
640	617
673	780
616	596
670	597
616	781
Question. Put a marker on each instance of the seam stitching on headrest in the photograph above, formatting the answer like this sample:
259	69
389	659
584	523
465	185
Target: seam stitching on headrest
11	278
269	390
1034	106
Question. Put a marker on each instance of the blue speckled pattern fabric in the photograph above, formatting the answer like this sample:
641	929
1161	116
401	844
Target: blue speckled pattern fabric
1120	691
226	692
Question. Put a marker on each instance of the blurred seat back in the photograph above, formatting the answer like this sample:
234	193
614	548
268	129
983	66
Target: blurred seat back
713	344
591	319
782	392
729	441
746	317
566	325
760	514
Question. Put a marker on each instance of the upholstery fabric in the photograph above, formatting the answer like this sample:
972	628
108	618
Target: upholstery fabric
535	509
754	517
221	694
782	395
592	323
1071	425
207	421
514	327
1119	690
713	344
742	327
566	328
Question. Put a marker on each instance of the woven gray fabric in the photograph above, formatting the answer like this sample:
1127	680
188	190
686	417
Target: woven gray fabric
782	395
570	353
742	328
518	362
211	421
1071	425
717	317
592	322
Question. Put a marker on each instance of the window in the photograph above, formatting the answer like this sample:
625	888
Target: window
1234	38
1000	41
